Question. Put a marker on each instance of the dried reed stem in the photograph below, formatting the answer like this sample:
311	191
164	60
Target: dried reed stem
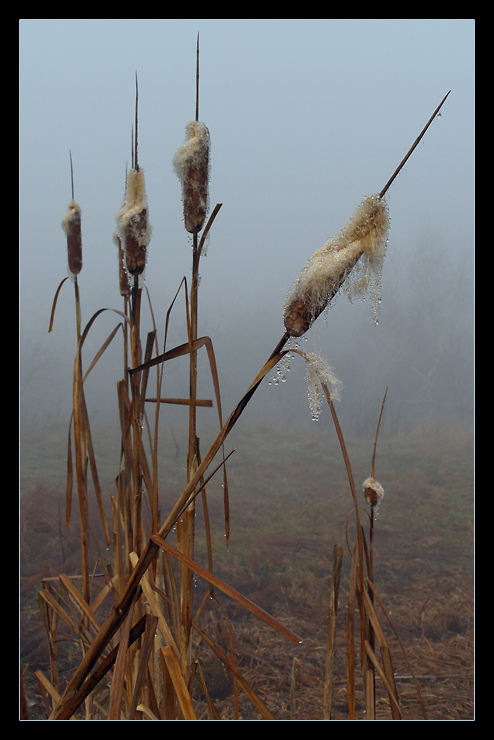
191	163
412	148
331	635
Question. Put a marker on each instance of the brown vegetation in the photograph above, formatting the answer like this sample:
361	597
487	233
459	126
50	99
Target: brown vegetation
142	619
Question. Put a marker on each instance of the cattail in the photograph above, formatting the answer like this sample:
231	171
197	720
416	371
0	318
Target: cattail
132	223
123	275
373	492
191	163
359	248
71	224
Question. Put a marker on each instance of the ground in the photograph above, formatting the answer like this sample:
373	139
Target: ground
290	504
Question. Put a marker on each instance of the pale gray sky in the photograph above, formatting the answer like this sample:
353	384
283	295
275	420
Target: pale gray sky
307	116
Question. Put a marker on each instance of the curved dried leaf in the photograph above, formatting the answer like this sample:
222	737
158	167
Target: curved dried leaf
55	299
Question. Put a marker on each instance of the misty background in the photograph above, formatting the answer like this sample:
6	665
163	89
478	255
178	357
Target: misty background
307	117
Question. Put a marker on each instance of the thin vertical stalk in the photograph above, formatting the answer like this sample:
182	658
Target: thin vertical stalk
331	637
412	148
186	525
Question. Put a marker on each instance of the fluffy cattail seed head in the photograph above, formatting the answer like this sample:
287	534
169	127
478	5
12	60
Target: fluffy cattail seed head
373	492
191	163
132	223
359	248
71	224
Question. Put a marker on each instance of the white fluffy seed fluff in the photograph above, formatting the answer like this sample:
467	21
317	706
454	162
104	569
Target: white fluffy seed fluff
352	259
133	226
191	151
317	371
191	164
73	213
373	492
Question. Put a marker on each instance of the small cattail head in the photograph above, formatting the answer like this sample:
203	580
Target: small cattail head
71	224
360	244
132	223
373	492
191	163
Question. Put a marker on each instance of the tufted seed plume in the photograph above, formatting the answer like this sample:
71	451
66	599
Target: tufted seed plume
132	223
71	224
373	492
318	372
191	163
359	248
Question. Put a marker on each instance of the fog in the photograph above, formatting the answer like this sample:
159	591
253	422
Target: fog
307	116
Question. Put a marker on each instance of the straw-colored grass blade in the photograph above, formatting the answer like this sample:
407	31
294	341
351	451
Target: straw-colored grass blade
172	662
78	600
231	667
146	710
393	699
144	654
402	647
154	607
350	647
215	715
386	673
120	669
331	637
56	607
228	590
48	691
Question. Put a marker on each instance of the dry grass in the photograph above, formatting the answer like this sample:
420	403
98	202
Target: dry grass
280	557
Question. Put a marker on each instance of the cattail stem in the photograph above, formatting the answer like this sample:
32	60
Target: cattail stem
71	175
377	432
197	79
136	162
194	174
412	148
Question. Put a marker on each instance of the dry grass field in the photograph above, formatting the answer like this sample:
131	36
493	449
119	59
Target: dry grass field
289	507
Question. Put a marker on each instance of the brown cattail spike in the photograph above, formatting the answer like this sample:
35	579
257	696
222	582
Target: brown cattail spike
359	248
132	223
191	163
123	275
71	224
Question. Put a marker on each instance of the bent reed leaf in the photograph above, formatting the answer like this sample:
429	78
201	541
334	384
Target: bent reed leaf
228	590
54	305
